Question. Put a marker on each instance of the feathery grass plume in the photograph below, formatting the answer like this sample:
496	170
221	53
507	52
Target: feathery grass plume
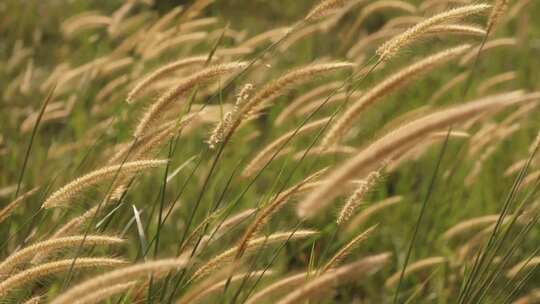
516	9
165	100
402	22
345	250
448	86
99	295
492	44
84	21
535	144
304	98
160	72
281	286
394	82
118	16
495	81
529	179
358	195
274	89
271	208
200	293
415	151
115	65
151	141
356	270
367	213
531	297
502	134
221	229
267	94
111	87
479	237
33	300
327	102
227	256
319	151
62	196
390	48
223	127
415	267
496	13
469	225
162	23
50	245
37	272
374	7
298	35
515	167
459	29
261	159
118	276
8	209
272	35
384	147
75	223
531	262
154	51
324	9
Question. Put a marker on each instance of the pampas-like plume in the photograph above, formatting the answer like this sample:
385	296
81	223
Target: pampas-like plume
324	8
448	86
383	148
98	295
298	102
415	267
358	195
261	159
48	246
143	147
68	228
66	193
495	81
267	94
163	102
84	21
277	87
223	127
535	144
118	276
285	284
266	213
169	68
496	13
527	263
390	48
469	225
461	29
492	44
367	213
200	293
376	6
345	250
7	210
331	279
37	272
226	256
33	300
389	85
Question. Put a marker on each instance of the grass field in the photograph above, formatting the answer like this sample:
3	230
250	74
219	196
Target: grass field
342	151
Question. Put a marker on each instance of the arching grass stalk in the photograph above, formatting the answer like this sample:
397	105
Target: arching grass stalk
482	254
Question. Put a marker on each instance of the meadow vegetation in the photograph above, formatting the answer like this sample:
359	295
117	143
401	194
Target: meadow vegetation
333	151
